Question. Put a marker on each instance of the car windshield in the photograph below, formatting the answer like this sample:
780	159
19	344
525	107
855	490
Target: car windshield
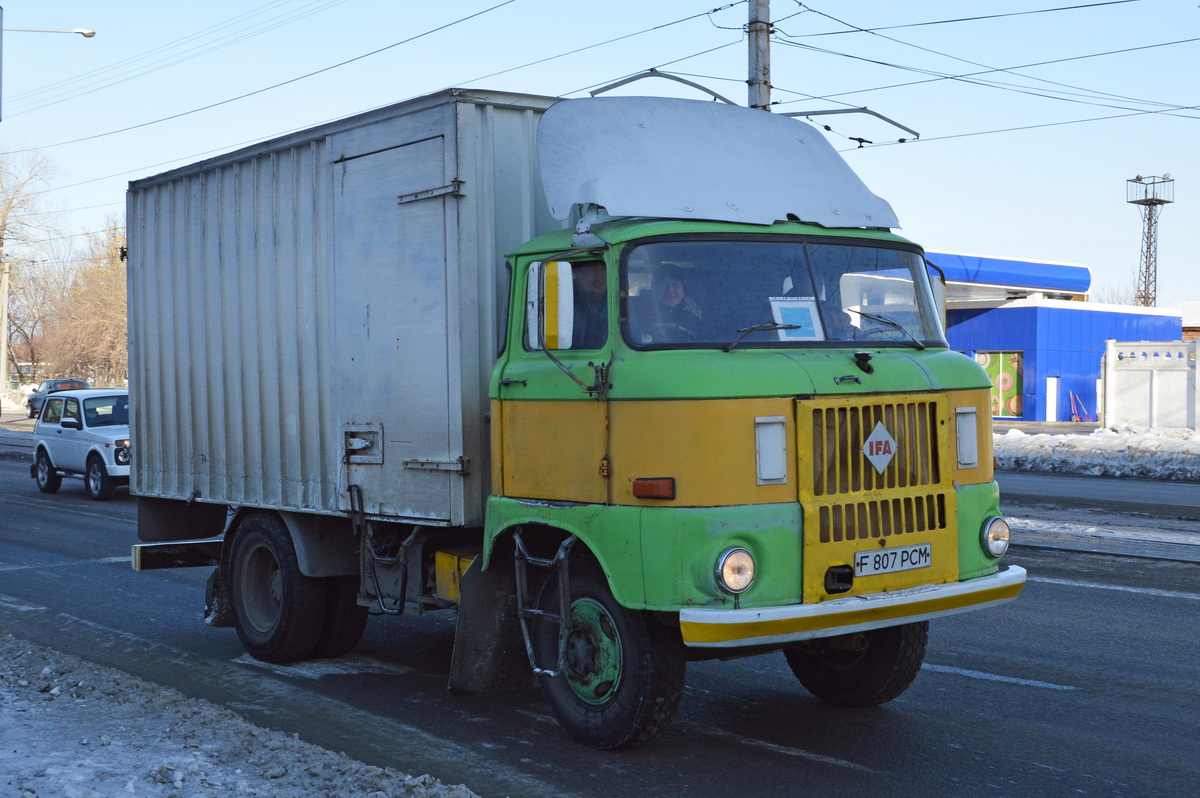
70	385
721	293
106	411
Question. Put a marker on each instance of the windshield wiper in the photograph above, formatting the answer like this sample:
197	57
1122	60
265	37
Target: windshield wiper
769	326
889	322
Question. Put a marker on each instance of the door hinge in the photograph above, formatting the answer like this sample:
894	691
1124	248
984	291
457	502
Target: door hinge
604	467
453	189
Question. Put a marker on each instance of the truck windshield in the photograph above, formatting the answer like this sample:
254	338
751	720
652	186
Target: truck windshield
721	293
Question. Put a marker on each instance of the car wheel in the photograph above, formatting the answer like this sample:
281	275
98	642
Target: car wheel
32	412
48	480
278	612
622	672
99	486
862	670
345	619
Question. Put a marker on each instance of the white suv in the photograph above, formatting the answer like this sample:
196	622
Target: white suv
83	433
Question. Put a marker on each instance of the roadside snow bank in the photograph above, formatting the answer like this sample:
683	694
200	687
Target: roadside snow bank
71	728
1138	452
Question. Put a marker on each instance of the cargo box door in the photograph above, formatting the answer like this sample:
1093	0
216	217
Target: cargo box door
401	438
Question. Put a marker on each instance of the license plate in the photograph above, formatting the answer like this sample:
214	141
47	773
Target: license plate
889	561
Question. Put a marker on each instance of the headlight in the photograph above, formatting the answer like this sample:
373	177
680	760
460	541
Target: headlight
995	536
121	455
735	570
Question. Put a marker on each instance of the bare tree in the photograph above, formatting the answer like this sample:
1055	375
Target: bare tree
22	225
1116	293
86	334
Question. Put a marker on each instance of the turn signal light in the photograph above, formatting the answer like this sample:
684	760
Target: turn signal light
654	488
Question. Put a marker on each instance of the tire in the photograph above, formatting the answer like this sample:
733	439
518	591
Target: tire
623	673
846	677
344	621
96	481
32	413
48	481
278	612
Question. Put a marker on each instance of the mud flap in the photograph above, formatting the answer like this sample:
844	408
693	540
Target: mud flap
489	652
218	610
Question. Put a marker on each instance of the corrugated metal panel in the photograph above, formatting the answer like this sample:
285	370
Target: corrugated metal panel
346	279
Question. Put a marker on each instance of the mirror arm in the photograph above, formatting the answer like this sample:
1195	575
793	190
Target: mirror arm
597	384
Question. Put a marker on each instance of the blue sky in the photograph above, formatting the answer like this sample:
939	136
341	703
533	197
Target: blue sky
1026	158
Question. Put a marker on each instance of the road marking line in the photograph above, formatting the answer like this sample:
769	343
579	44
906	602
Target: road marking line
1141	591
44	566
993	677
783	749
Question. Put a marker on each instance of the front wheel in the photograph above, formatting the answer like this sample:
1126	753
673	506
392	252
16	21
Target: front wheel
622	673
278	611
97	481
48	480
860	670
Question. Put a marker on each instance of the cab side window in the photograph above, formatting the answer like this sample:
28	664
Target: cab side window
54	411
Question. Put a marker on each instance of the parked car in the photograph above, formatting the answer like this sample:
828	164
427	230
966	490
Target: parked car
47	387
83	434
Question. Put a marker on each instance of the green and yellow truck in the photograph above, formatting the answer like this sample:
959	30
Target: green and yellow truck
625	382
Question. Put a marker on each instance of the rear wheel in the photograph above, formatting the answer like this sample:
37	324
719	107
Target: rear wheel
99	485
48	480
344	621
860	670
622	675
278	611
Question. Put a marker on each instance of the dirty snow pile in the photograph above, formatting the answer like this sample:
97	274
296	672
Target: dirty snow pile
73	729
1127	451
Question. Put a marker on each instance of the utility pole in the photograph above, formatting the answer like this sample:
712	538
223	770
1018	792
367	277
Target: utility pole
1150	193
759	33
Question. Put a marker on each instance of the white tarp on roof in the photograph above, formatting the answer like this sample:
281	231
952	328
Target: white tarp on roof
690	159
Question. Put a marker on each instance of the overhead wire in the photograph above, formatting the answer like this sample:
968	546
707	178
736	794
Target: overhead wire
564	54
34	99
990	69
268	88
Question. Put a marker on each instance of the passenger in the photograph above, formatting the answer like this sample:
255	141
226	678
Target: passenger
676	315
591	305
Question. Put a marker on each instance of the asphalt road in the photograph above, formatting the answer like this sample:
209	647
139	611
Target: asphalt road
1089	684
1164	498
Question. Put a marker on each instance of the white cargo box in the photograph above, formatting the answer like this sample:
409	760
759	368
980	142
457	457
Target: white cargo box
325	309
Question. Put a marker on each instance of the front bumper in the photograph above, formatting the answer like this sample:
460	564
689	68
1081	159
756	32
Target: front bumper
714	628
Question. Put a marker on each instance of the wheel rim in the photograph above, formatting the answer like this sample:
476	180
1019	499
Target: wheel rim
261	588
95	478
43	470
592	660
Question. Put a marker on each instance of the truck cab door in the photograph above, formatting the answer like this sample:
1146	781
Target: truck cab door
552	441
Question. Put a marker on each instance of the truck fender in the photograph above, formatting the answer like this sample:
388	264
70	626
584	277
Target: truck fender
325	544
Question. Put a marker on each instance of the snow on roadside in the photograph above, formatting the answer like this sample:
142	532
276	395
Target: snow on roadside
71	728
1137	452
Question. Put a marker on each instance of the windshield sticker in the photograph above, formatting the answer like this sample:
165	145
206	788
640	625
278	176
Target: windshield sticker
797	317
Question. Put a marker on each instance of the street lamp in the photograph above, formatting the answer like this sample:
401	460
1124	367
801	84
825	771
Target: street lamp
86	33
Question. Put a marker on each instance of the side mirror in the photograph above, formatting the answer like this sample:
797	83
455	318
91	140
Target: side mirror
71	423
939	288
550	305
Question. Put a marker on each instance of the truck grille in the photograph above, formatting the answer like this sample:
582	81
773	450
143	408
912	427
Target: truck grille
846	498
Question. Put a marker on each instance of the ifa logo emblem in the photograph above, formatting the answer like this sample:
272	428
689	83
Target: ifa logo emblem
880	448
